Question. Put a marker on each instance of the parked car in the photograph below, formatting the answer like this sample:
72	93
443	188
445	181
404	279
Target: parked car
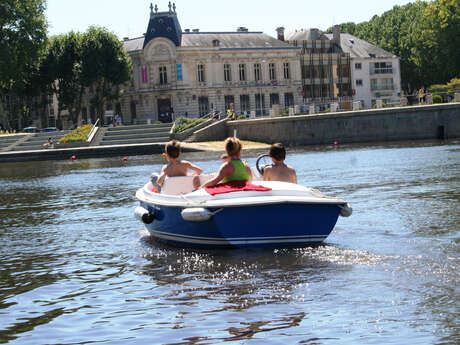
30	130
49	129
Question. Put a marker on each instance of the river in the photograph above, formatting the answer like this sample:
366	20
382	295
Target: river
77	268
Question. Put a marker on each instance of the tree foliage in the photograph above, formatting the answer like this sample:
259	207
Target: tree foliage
425	35
105	66
93	64
22	40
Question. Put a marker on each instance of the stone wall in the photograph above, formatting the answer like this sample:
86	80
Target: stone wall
215	131
440	121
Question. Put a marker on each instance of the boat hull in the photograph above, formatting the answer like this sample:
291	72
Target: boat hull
273	225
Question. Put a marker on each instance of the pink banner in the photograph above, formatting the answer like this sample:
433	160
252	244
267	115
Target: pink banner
144	75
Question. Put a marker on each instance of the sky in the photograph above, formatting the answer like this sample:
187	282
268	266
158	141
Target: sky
129	18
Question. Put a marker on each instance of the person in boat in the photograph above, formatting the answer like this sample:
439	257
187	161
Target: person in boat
234	169
279	171
175	166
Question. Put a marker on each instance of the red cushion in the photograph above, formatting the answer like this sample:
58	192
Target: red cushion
235	186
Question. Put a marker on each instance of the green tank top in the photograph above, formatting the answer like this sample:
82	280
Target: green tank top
240	173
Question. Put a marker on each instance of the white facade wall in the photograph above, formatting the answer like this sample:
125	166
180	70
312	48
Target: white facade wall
184	94
375	85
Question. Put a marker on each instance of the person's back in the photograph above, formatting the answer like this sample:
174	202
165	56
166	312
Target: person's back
279	171
176	167
232	169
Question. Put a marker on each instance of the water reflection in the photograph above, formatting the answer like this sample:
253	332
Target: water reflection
74	264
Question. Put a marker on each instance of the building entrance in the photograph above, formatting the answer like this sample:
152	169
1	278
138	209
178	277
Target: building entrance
165	110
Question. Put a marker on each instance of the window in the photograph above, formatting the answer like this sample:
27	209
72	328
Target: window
244	103
288	99
383	68
227	72
274	99
203	105
229	100
287	74
272	71
382	84
257	72
260	102
201	75
242	69
163	75
358	65
359	82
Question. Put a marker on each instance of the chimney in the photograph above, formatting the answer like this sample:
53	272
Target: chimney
336	35
187	30
196	30
280	32
314	34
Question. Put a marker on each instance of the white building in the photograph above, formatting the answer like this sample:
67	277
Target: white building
376	73
191	73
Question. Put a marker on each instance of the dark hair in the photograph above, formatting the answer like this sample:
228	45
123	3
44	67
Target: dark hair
278	151
233	146
172	148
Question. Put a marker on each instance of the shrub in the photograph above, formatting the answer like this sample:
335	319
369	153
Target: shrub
437	99
79	134
182	124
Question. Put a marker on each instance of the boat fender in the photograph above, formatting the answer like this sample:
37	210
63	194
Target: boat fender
345	210
196	214
144	215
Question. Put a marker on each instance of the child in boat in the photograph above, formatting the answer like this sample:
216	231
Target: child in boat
176	167
233	169
279	171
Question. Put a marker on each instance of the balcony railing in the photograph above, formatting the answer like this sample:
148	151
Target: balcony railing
382	87
387	70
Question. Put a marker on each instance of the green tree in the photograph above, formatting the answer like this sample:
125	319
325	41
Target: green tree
442	36
105	67
22	40
62	68
425	35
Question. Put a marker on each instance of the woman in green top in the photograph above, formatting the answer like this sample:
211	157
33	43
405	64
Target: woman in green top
234	169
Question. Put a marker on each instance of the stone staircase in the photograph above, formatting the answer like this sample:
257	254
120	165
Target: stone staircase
36	141
7	141
136	134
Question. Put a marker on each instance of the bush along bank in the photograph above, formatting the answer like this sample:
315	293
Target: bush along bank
79	134
182	124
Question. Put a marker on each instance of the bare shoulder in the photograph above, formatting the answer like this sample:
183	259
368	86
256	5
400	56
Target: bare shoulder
290	168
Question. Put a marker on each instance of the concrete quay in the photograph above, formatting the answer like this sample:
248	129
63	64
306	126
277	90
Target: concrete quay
86	152
438	121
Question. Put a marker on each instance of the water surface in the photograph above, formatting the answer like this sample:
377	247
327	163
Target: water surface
77	268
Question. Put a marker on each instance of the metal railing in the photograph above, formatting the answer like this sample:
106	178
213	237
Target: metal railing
93	131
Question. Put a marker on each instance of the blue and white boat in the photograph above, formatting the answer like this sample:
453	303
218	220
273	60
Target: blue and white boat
286	215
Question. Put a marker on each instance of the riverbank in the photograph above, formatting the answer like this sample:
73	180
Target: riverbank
117	150
219	145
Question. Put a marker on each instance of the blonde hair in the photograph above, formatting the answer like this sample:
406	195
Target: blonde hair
233	146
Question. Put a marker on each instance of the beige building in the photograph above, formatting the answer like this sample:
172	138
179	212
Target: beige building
191	73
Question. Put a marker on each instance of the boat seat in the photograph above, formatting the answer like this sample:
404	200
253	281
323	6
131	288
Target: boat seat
181	184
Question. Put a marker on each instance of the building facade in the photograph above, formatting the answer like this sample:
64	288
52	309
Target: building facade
190	73
375	73
325	67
